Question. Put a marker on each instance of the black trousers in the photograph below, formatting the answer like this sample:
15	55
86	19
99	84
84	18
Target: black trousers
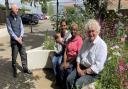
16	47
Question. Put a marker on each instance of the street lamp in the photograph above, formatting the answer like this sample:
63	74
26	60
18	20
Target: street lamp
57	22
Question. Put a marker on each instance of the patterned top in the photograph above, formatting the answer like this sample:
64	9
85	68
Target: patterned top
73	46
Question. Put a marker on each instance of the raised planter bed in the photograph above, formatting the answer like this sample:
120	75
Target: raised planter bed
39	58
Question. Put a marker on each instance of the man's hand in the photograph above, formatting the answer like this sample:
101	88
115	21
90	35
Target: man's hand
19	40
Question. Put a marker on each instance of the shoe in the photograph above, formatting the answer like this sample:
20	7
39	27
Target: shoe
27	71
14	75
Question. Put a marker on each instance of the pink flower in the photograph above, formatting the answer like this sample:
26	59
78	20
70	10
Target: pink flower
122	65
121	62
121	68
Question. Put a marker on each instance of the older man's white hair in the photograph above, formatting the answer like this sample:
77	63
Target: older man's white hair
14	5
92	23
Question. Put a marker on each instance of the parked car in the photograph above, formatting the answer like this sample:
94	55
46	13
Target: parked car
40	17
29	19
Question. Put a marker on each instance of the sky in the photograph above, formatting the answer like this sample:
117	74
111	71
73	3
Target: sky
61	2
18	2
68	1
11	1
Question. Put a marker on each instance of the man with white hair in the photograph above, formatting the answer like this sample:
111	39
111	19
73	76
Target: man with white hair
91	58
16	30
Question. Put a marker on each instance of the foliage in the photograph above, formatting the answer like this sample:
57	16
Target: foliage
70	16
2	6
120	29
44	5
23	9
95	8
48	42
112	76
70	10
92	10
50	10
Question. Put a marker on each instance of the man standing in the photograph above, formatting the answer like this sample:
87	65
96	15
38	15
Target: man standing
91	58
16	31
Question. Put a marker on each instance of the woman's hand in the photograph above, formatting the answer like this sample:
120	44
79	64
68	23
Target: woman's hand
80	72
89	71
65	65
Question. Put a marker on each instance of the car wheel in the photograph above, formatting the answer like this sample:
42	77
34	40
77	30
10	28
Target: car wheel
36	22
29	22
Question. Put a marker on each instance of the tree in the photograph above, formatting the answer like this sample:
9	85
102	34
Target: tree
96	7
44	5
30	1
7	7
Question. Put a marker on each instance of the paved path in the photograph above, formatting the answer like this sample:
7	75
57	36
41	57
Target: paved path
41	79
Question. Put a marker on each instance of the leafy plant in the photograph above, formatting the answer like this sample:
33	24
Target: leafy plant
48	42
112	76
120	29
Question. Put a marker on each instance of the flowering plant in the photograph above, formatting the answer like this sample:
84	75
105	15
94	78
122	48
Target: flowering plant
123	72
115	73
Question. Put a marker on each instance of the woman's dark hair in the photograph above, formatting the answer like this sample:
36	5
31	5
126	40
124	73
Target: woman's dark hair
63	20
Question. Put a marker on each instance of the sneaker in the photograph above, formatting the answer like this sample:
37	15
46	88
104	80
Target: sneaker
27	71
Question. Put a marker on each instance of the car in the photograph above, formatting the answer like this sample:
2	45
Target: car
29	19
40	17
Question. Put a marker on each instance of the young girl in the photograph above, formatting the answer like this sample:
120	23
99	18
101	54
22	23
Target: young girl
57	58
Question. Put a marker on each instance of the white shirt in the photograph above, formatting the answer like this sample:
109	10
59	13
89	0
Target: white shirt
67	36
93	54
58	47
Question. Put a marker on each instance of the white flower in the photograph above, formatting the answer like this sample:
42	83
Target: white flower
116	53
125	36
114	47
109	58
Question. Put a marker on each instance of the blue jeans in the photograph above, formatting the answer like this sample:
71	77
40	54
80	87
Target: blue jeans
65	72
76	82
56	61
